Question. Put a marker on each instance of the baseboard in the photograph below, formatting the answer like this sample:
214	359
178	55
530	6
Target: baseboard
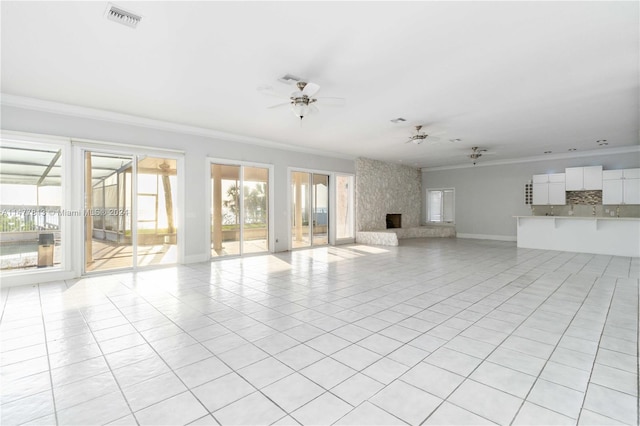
35	277
487	237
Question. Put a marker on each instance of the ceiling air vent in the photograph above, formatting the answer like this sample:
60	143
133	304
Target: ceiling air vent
121	16
289	79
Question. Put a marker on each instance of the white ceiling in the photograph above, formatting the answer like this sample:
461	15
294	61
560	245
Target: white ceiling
517	78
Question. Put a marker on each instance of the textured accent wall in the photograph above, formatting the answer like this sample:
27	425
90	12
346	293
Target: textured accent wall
383	188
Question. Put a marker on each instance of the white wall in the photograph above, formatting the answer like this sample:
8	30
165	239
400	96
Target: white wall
196	149
487	197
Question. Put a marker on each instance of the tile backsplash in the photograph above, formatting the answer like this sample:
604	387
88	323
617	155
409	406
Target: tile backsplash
589	198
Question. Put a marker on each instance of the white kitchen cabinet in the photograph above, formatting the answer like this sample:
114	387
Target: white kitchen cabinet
549	189
583	178
540	194
631	173
557	194
631	191
612	191
611	174
621	186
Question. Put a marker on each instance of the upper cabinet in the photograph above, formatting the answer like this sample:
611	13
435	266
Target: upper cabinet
583	178
621	186
549	189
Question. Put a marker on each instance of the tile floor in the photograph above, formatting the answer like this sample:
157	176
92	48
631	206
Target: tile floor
436	331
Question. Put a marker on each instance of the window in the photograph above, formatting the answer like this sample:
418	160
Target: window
32	234
440	205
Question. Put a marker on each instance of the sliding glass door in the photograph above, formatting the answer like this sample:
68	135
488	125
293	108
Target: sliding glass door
130	210
239	209
32	203
309	209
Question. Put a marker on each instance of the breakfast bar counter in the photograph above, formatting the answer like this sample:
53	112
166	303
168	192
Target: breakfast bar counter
618	236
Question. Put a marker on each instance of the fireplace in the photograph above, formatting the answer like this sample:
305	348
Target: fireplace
394	221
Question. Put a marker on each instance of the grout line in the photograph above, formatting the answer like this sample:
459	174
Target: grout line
586	296
304	292
44	326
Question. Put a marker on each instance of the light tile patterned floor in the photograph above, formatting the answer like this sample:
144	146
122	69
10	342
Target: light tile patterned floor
436	331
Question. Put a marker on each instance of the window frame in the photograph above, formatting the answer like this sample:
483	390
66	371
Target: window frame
453	206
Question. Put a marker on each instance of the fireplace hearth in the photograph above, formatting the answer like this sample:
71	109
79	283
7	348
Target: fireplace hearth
394	220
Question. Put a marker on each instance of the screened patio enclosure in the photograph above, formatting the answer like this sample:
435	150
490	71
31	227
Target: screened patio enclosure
30	203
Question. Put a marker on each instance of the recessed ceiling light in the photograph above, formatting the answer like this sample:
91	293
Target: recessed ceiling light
602	142
455	140
548	152
398	120
572	149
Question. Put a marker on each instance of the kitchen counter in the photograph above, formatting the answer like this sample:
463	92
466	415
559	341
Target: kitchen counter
618	236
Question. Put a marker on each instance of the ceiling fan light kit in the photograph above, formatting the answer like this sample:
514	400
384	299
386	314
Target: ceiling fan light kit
302	101
420	136
476	153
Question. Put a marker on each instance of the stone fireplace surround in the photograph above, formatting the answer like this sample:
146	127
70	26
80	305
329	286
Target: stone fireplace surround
388	188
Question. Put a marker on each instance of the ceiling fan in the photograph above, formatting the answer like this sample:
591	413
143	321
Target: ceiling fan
418	137
302	101
476	153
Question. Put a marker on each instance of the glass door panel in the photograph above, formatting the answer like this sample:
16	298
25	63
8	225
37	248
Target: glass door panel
157	235
256	220
31	188
301	209
225	210
344	207
107	195
320	200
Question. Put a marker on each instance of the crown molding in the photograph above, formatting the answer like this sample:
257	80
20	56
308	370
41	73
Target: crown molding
539	158
28	103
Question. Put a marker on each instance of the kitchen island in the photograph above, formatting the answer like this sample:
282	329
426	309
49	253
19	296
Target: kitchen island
618	236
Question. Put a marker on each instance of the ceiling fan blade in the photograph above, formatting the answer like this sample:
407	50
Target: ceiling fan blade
432	138
310	89
270	91
313	109
279	105
330	101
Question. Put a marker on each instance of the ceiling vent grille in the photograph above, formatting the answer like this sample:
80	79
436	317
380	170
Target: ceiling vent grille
121	16
289	79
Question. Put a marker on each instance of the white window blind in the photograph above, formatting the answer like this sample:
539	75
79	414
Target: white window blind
440	205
